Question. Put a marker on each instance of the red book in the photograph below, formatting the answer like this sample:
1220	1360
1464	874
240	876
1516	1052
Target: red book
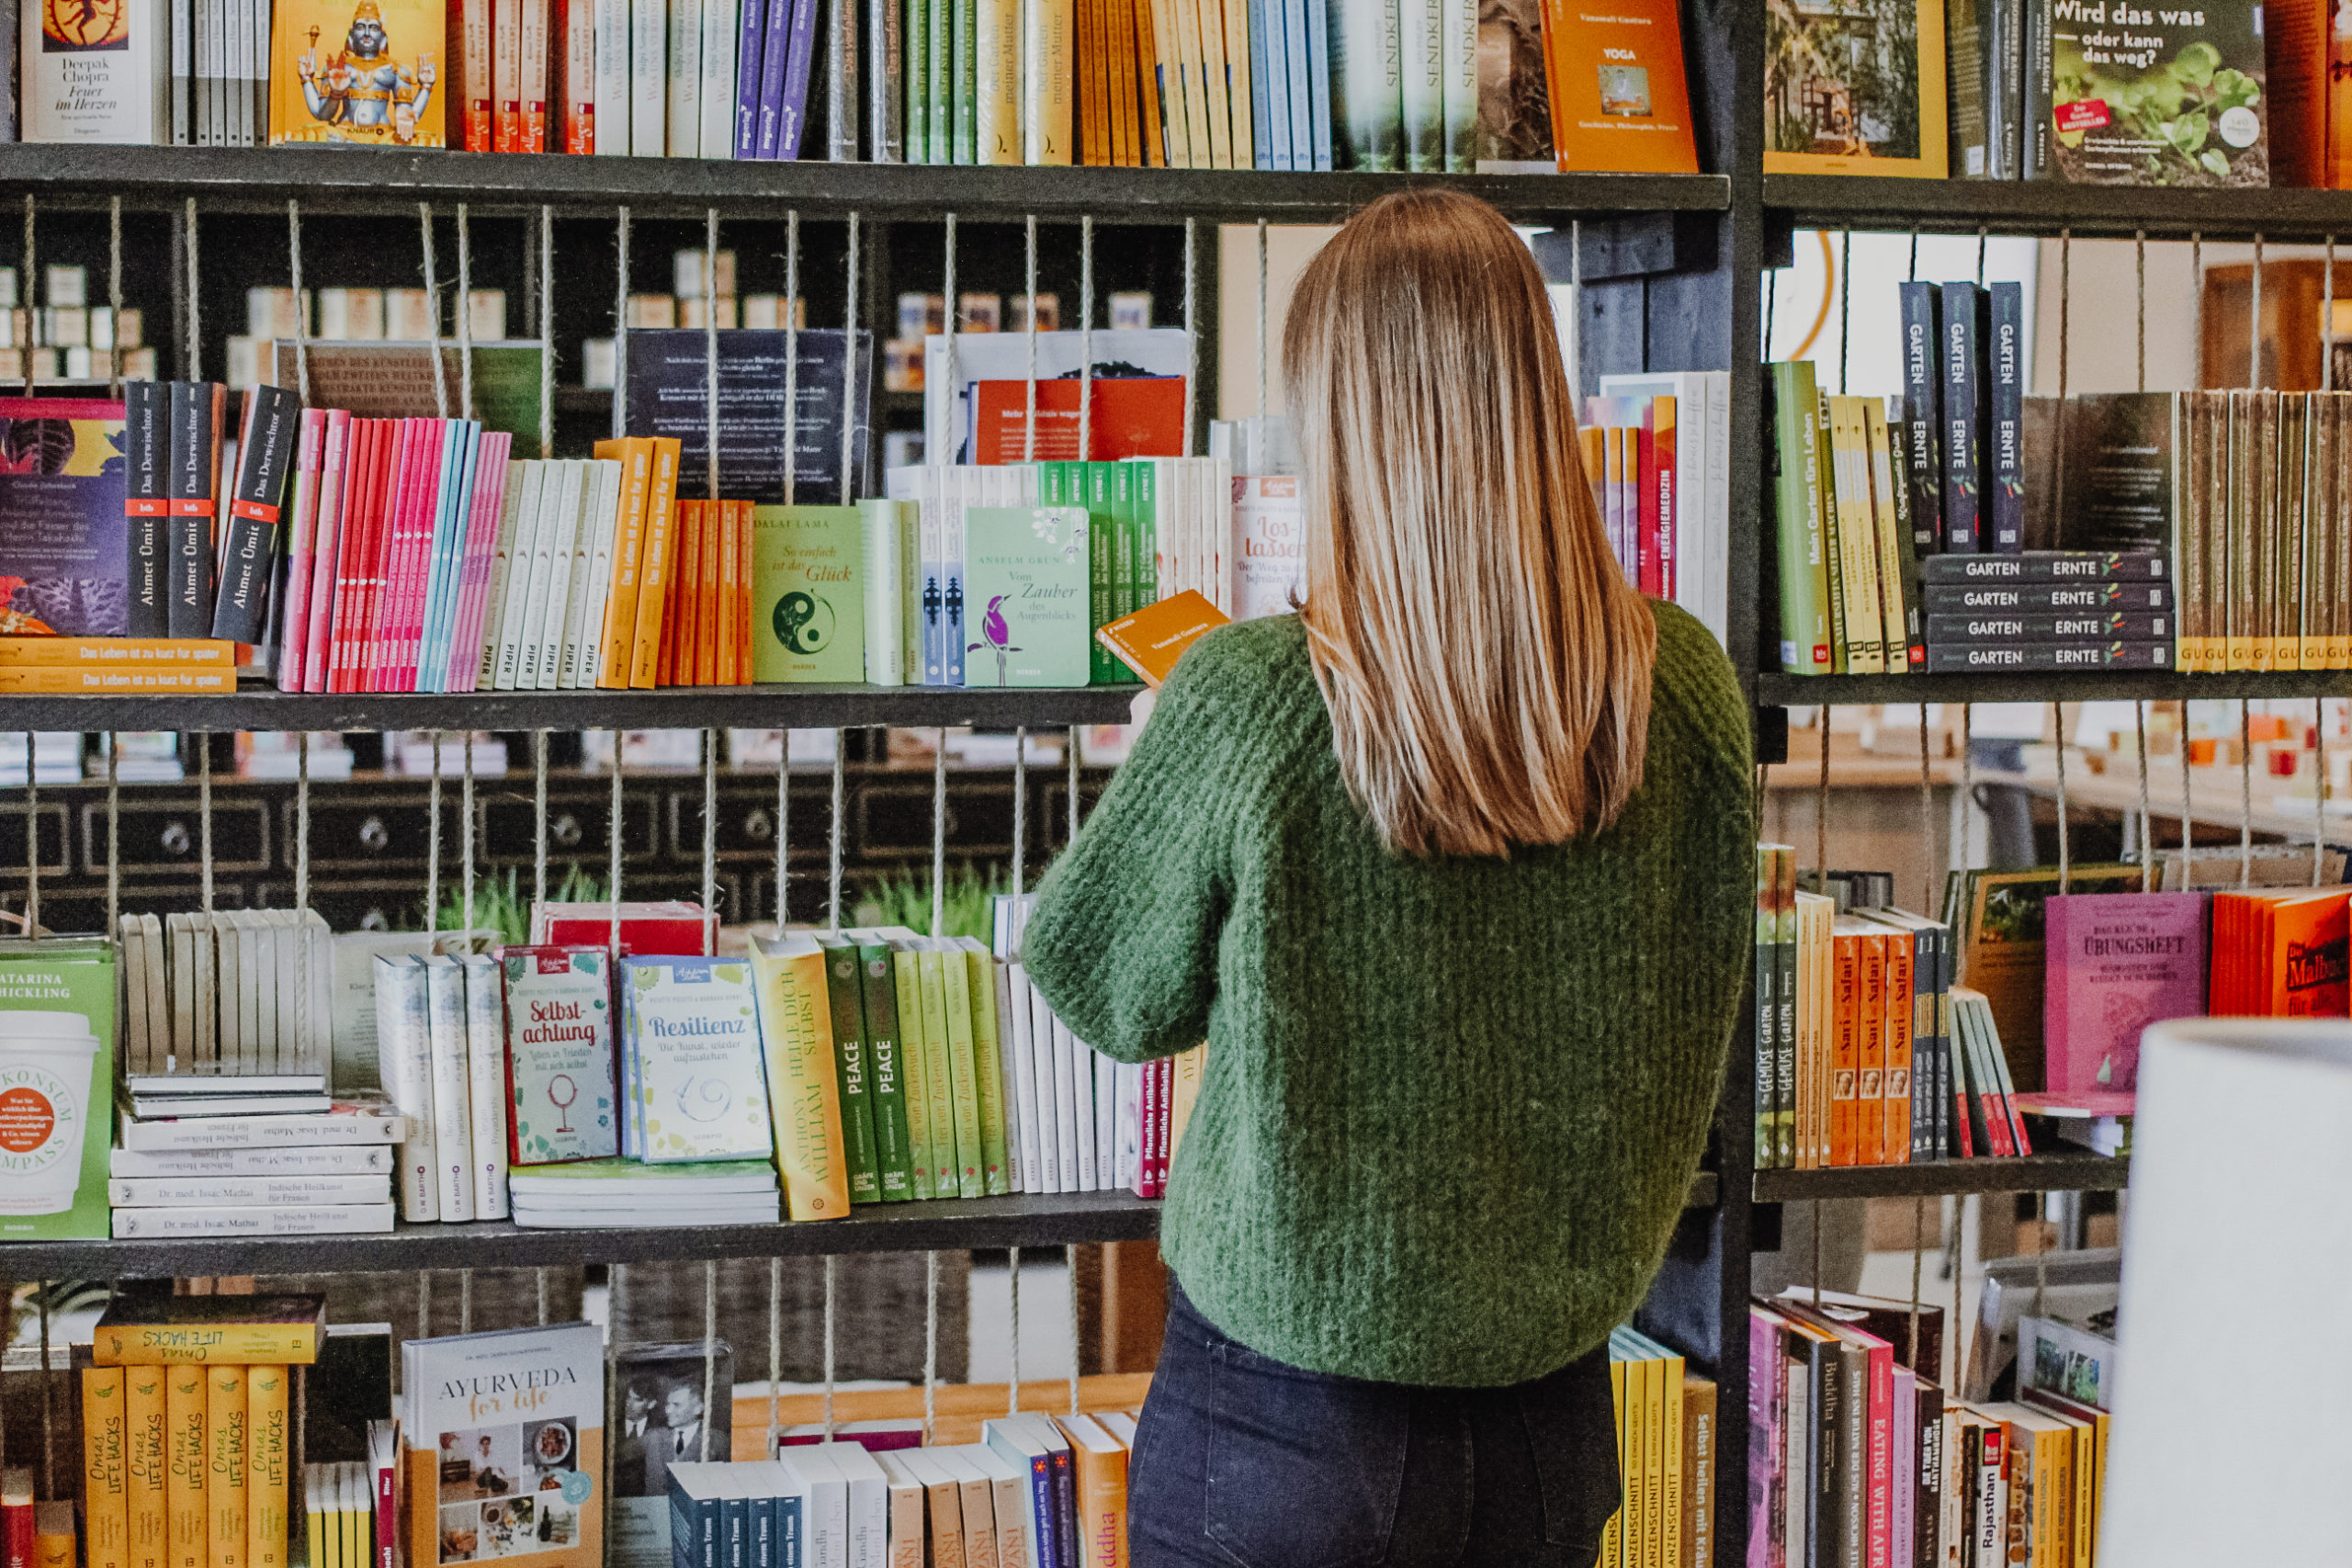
1133	417
424	520
576	83
1646	506
534	77
470	126
506	76
359	446
715	516
1146	1110
390	502
1662	417
399	556
668	925
361	555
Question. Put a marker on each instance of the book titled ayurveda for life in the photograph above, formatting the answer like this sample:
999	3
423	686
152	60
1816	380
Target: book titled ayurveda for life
503	1446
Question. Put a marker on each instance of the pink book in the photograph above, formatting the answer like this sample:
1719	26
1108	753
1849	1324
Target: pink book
315	593
374	667
481	549
2115	964
487	464
416	550
433	503
302	522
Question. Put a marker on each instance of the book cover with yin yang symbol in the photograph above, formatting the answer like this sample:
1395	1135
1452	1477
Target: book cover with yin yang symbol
807	593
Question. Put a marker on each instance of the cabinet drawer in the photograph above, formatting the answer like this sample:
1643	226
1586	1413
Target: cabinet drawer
357	904
747	822
167	836
578	830
54	853
386	830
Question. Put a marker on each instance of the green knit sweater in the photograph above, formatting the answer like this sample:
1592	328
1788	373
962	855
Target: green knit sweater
1451	1107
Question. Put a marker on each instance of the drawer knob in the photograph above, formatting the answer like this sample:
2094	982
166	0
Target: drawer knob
758	826
175	839
565	830
373	834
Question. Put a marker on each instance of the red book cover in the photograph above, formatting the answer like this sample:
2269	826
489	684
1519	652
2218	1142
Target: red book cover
470	128
17	1527
302	538
742	593
1662	423
358	452
398	467
424	530
1646	506
326	566
403	565
668	925
366	560
575	28
1133	417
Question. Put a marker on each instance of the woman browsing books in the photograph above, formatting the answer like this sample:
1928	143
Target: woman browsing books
1451	870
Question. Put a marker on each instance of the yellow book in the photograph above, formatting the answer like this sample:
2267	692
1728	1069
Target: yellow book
1670	1465
236	1330
130	652
188	1531
316	1503
1100	1463
268	1452
321	93
1612	1535
1632	1463
1184	1091
655	573
53	1535
112	680
914	1063
988	1059
938	1075
147	1450
225	1462
618	640
804	1085
963	1068
1654	1462
1878	456
356	1517
105	1471
1857	538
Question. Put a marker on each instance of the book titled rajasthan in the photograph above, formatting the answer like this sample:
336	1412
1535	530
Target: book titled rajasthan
149	1330
2117	963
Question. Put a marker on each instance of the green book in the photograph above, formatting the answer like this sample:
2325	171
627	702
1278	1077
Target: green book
988	1059
1825	498
1025	595
935	94
916	74
938	1072
1101	540
963	1066
915	1056
807	593
1049	485
1122	558
1367	84
852	1062
893	1161
1799	537
968	81
1146	540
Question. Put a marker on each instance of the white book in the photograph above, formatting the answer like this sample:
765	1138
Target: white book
1129	1120
1047	26
356	1159
1016	1174
977	1506
1717	538
495	601
997	69
1215	500
686	79
868	1512
151	1107
722	20
486	1081
136	1051
824	1516
257	973
159	994
612	31
1016	1545
453	1139
1080	1058
583	641
288	940
318	988
1120	1424
561	673
271	1191
223	974
649	49
1038	1157
1059	1050
1106	1120
522	555
340	1128
885	633
404	1056
562	545
329	1219
96	95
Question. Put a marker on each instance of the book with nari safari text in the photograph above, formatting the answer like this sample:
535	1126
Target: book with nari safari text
502	1447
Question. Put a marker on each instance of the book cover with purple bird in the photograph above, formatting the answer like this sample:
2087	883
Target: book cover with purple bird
64	552
1025	589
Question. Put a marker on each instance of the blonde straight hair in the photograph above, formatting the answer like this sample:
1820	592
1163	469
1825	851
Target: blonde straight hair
1486	663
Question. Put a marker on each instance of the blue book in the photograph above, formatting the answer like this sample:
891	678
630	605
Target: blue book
2004	358
1019	1447
1272	148
793	115
747	78
1921	459
775	51
448	553
1317	83
1963	425
734	1528
697	1496
791	1529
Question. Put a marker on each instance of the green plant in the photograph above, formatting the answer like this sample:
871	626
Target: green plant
502	905
2176	107
892	901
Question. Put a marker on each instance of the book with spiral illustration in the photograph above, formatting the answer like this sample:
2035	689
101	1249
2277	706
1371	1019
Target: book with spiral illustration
807	593
559	1055
691	1078
1025	590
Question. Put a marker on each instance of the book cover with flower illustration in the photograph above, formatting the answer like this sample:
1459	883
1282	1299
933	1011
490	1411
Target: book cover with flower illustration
1025	596
693	1087
64	553
807	593
558	1055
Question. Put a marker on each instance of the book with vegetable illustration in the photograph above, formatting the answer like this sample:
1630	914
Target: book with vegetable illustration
2118	95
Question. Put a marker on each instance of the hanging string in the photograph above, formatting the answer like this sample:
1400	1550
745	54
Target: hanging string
432	843
710	1356
204	814
433	312
1926	814
1918	1225
2196	299
791	400
1085	337
1192	325
1964	851
2254	376
1020	813
612	848
1981	232
2147	827
930	1314
2188	859
464	1301
1069	1259
547	334
939	837
2327	323
1821	813
32	844
1816	1255
1258	427
195	335
466	316
301	820
425	1304
710	347
775	1351
2140	257
539	1281
539	817
47	1411
114	832
2065	868
466	835
1013	1286
830	1269
1029	412
620	331
33	308
833	848
2319	785
294	271
709	843
783	822
2246	794
114	301
849	368
955	316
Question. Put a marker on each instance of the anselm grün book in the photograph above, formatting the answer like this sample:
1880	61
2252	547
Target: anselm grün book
1025	589
503	1439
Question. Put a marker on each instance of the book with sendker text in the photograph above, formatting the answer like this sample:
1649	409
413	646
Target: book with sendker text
1151	640
151	1330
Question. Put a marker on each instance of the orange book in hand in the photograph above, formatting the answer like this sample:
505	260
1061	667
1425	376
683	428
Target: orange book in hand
1150	641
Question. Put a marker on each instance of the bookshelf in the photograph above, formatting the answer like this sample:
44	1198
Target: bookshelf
2062	1171
2045	208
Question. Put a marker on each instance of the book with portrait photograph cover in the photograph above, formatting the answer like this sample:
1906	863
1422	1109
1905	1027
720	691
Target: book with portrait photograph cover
675	1407
502	1441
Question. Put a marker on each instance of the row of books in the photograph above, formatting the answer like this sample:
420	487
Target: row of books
1858	1455
1657	454
1867	1052
1182	84
1666	1457
224	999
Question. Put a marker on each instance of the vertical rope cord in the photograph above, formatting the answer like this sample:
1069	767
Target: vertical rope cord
1191	326
710	346
775	1343
2065	867
2147	827
1959	1255
32	307
194	334
791	403
1069	1262
539	817
1020	814
2326	322
47	1411
1964	853
433	311
1085	338
1012	1291
1982	231
1926	814
204	814
114	832
114	298
613	851
710	843
830	1262
464	1301
833	847
1845	303
2196	298
2187	841
939	838
710	1356
1258	427
2246	794
2319	785
931	1312
849	368
547	334
425	1304
620	338
1029	412
466	316
294	275
466	836
1918	1224
32	844
1821	813
301	821
432	843
1816	1255
540	1284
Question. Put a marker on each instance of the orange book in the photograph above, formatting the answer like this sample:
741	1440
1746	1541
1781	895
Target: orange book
1093	86
1902	1002
1119	17
709	589
2305	957
722	670
1145	67
575	94
1844	1042
653	574
744	593
677	667
1619	102
1150	641
534	77
2307	95
1100	1463
1870	1087
635	455
506	74
469	25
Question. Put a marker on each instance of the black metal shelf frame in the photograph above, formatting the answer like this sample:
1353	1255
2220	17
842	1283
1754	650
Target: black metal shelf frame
2064	1170
1775	690
2047	208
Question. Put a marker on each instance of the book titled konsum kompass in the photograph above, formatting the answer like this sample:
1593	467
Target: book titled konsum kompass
502	1441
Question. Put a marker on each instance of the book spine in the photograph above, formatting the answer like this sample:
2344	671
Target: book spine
1094	480
1021	1067
963	1066
794	1036
997	74
855	1069
612	37
106	1467
188	1468
649	39
892	1165
1956	324
486	1086
939	1076
913	1068
750	36
1922	419
779	112
684	98
1898	564
1767	1002
988	1062
301	533
1799	527
1421	33
190	501
146	509
842	24
452	1112
404	1051
915	78
886	120
268	1455
147	1448
2006	353
534	83
506	74
721	30
2036	91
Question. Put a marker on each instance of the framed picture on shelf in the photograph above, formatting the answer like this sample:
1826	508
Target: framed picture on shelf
1855	87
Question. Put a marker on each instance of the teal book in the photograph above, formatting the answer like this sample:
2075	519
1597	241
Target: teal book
1103	540
853	1062
1027	574
807	593
893	1154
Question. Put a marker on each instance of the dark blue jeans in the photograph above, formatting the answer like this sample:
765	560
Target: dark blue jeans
1242	1460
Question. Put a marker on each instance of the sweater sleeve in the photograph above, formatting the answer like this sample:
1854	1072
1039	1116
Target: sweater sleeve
1122	942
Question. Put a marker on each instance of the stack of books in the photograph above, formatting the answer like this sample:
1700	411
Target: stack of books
233	1001
584	1194
1666	1447
345	1527
295	1164
2049	610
